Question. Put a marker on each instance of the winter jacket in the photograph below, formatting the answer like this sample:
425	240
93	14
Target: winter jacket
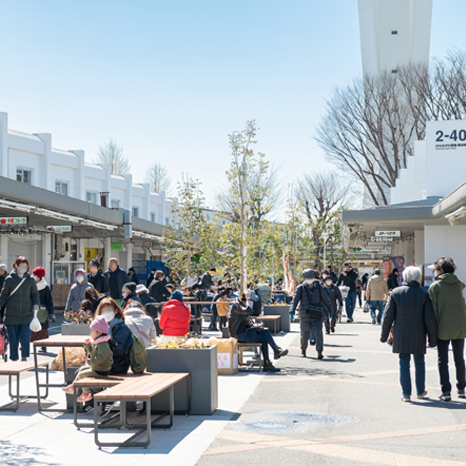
150	280
116	280
348	280
392	281
99	282
46	300
158	291
223	306
2	280
129	298
239	321
410	307
335	297
265	292
175	319
447	298
146	298
141	325
133	278
99	355
377	289
314	295
121	342
76	294
207	282
19	309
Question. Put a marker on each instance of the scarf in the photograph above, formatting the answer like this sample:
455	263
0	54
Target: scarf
41	284
101	339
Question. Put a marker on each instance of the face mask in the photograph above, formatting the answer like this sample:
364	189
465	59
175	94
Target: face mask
79	278
310	281
435	273
108	315
329	282
324	276
124	294
22	270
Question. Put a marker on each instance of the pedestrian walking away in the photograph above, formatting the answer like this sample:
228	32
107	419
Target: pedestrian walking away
409	310
336	299
376	294
348	278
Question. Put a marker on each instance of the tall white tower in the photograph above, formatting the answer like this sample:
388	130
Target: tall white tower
394	33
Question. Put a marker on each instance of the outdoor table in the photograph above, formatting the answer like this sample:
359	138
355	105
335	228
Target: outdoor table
273	319
57	341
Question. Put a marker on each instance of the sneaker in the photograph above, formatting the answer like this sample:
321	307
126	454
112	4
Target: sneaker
350	320
333	329
320	355
303	354
69	389
405	399
461	394
84	398
270	368
421	396
445	397
373	320
327	332
24	359
278	353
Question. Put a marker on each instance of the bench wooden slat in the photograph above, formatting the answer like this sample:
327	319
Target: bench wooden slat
103	381
267	317
143	388
16	367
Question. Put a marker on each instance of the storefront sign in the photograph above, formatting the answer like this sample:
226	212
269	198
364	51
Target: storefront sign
60	228
143	244
388	233
117	246
13	220
382	239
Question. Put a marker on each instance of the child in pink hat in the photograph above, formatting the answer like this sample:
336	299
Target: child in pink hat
99	357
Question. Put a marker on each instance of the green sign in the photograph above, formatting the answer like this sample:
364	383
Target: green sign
117	246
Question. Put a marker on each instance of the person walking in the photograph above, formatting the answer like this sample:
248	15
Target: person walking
348	278
133	276
46	301
447	298
410	309
311	298
116	279
376	294
21	299
158	289
76	294
96	277
392	281
335	297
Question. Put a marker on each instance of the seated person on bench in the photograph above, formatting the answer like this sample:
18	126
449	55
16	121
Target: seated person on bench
99	357
241	328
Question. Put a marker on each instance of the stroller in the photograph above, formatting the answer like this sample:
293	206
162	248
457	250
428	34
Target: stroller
3	342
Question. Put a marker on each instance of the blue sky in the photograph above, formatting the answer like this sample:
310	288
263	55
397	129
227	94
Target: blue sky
170	79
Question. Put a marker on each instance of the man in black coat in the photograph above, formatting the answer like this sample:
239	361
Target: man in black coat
97	278
410	309
392	281
348	278
157	289
116	279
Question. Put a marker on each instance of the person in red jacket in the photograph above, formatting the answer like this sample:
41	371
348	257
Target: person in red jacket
175	317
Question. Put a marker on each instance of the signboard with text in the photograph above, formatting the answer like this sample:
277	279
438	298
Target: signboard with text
388	233
60	228
5	221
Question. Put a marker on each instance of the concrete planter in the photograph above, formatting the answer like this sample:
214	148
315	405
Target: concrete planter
201	364
74	329
283	312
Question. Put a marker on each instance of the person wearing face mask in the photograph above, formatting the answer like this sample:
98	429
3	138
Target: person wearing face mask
348	278
128	292
312	299
76	294
335	297
122	338
21	299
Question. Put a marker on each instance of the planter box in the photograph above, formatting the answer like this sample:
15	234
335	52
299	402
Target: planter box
201	364
283	312
74	329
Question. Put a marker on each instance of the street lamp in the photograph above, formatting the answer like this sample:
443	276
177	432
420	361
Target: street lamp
325	238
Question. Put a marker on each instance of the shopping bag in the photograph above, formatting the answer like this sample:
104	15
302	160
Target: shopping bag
42	314
35	324
367	307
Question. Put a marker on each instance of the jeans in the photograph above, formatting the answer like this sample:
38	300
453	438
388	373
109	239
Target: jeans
316	328
377	306
259	335
350	303
223	322
458	356
19	334
359	296
405	373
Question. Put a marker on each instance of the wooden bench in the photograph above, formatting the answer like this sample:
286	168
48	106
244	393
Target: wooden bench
275	320
14	369
257	361
140	388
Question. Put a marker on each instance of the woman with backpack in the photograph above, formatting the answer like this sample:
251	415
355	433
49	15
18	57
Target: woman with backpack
21	299
122	338
312	298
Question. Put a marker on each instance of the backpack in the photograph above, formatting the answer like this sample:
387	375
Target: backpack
137	356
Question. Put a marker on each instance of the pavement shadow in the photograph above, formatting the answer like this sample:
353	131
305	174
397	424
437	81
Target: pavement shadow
297	371
23	455
451	405
338	346
337	358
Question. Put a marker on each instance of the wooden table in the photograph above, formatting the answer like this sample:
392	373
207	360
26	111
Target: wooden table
272	319
56	341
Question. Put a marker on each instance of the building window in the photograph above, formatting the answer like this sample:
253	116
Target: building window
152	217
394	33
24	176
61	187
115	203
394	71
135	211
91	197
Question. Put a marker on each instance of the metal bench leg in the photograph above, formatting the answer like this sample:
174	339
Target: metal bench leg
13	405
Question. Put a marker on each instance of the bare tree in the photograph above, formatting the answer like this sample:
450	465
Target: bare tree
111	153
157	177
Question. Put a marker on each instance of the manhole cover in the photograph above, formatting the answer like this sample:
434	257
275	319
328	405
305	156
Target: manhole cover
267	421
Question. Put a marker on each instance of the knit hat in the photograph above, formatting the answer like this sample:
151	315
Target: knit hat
100	324
131	286
39	272
178	295
309	274
141	289
3	267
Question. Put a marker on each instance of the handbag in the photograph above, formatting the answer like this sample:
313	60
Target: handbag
42	314
315	312
367	307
